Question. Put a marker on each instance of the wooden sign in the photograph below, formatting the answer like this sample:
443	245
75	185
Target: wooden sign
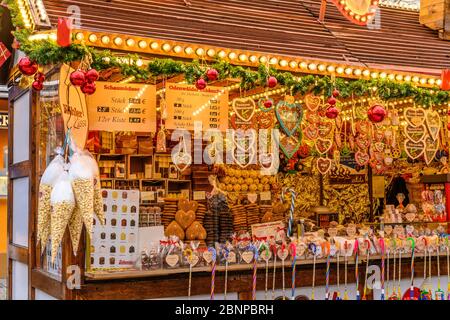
267	230
122	107
186	105
73	108
4	120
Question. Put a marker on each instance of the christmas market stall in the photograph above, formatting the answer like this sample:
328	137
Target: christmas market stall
228	150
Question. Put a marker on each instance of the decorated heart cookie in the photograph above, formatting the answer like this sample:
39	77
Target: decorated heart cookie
247	256
196	232
265	120
289	116
186	205
174	229
311	132
433	122
289	145
415	133
312	102
431	148
244	108
325	128
237	123
362	158
414	116
185	218
323	145
323	165
414	149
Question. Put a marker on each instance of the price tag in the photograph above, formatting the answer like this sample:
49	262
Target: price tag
199	195
147	196
265	196
252	197
351	230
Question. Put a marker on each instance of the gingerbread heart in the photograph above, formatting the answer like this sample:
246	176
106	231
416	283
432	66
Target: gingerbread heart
237	123
414	149
244	108
312	102
379	146
415	133
433	122
325	128
185	218
196	232
363	127
265	120
361	158
311	132
362	142
323	165
414	116
431	148
312	117
247	256
289	116
174	229
289	145
186	205
323	145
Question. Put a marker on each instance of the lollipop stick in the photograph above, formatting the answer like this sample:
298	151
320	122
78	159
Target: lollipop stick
226	280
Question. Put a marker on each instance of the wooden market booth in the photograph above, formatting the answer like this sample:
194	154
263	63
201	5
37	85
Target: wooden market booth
286	34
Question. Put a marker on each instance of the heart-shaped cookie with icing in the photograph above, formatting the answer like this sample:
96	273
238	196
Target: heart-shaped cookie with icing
185	218
433	122
311	132
174	229
414	149
414	116
323	165
186	205
415	133
431	148
323	145
312	102
244	108
362	158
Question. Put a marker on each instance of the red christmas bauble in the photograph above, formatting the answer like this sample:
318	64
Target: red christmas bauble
376	113
336	93
27	67
332	112
88	88
91	75
212	74
40	77
200	84
77	78
37	85
448	126
448	113
268	103
331	101
272	82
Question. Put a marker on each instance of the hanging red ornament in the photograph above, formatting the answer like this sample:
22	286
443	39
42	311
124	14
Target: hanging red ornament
212	74
77	78
331	101
27	67
91	75
336	93
39	76
445	79
88	88
64	32
37	85
272	82
448	126
332	112
448	113
376	113
200	84
268	104
303	151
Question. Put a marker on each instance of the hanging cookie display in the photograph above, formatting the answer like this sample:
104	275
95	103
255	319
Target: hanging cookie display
289	115
433	123
244	113
431	148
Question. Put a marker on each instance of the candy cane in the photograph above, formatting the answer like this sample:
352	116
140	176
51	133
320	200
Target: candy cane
394	284
382	267
312	247
356	269
346	246
293	249
291	211
255	268
213	270
367	269
413	245
326	250
424	292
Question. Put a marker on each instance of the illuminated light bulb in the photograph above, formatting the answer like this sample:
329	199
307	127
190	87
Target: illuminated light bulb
232	55
188	50
303	65
399	77
363	19
154	45
339	70
312	66
383	75
118	41
200	52
130	42
431	81
92	37
438	82
105	40
366	73
348	71
415	79
342	2
330	68
263	59
177	49
273	60
293	64
243	57
139	63
79	36
351	13
407	78
423	81
142	44
253	59
374	75
391	76
166	47
321	67
211	52
283	63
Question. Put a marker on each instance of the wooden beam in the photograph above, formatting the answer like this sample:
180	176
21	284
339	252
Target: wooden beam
18	253
46	283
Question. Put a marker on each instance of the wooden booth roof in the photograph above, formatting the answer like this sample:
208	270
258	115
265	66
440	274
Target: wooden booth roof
288	27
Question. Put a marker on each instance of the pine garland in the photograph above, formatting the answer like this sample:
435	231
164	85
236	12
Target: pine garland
46	52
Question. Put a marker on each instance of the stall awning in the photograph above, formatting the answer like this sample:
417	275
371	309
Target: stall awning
288	27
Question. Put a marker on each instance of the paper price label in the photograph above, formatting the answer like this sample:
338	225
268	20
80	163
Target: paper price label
265	196
199	195
147	196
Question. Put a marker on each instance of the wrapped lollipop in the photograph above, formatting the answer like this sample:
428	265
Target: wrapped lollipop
63	203
51	174
81	176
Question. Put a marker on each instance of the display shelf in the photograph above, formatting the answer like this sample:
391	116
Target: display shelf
405	223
